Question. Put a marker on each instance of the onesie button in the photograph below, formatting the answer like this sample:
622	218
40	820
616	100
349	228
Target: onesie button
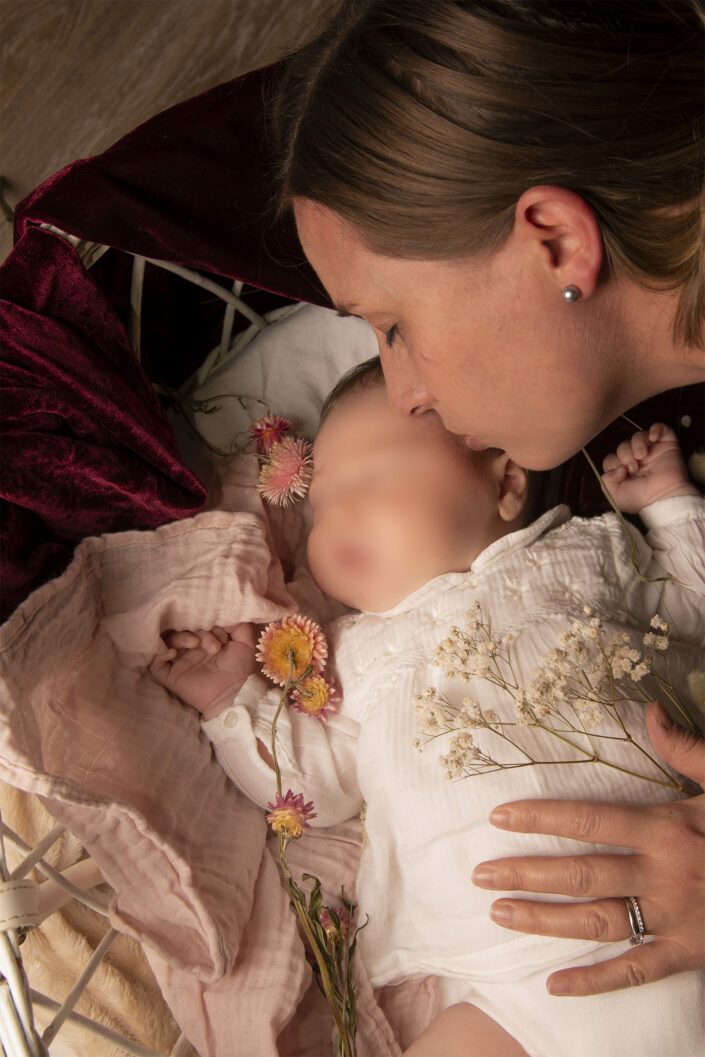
230	718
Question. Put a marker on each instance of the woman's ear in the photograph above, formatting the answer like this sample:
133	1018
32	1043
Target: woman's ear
565	235
513	488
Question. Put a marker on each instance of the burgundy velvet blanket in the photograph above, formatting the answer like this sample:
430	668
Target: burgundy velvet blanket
87	448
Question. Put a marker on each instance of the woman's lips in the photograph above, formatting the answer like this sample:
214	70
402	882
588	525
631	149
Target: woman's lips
474	443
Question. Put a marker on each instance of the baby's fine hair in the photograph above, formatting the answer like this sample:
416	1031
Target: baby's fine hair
361	377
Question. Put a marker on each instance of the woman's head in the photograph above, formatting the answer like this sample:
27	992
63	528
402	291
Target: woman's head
398	500
424	125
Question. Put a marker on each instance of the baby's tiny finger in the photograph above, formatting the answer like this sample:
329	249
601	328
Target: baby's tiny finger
625	454
182	640
209	641
610	462
617	475
659	431
640	444
220	634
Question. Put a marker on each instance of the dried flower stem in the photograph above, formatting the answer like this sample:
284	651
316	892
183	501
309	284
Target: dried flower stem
573	689
340	998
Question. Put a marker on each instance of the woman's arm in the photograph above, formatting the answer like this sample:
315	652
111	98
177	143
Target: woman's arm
666	873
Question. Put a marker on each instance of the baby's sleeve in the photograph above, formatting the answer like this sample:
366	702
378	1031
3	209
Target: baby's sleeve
676	539
315	758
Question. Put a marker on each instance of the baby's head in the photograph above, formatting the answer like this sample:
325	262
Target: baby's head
398	500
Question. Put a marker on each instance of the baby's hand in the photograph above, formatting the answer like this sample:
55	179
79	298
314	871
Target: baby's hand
206	668
645	469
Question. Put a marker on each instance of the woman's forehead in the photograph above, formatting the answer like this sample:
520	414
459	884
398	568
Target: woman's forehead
358	280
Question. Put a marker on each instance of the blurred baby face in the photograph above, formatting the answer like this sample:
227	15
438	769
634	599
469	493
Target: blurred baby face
396	502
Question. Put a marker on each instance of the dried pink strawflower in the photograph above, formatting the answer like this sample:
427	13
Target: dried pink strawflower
289	815
329	926
286	648
315	696
286	474
267	431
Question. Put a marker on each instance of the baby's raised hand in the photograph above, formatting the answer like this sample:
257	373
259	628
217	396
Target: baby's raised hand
645	469
206	668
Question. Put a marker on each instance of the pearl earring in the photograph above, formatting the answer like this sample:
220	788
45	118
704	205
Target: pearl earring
571	294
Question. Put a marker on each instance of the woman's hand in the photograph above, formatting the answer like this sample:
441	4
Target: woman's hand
666	872
206	668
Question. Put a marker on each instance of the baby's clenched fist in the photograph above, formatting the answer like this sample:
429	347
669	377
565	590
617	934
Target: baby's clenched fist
645	469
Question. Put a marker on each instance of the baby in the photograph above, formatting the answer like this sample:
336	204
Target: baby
411	529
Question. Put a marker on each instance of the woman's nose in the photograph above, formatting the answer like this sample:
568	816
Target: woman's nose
406	395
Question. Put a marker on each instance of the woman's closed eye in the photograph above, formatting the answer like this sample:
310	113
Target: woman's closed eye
391	335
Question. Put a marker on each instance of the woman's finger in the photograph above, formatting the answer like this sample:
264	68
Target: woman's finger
639	965
598	822
580	876
602	920
684	750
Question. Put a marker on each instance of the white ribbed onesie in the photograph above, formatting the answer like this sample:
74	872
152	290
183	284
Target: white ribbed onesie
426	833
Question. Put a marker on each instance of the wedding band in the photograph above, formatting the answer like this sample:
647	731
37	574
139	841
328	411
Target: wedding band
636	921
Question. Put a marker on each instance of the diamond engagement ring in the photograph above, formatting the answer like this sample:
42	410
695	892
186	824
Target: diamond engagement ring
636	921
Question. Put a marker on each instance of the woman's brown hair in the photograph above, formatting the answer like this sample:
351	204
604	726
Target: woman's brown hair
422	122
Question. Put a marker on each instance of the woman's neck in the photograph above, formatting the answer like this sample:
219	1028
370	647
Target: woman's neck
652	360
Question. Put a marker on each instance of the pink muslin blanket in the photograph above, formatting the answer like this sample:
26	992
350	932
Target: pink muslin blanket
126	768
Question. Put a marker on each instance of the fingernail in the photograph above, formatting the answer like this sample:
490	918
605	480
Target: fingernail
484	877
662	717
501	817
559	986
502	914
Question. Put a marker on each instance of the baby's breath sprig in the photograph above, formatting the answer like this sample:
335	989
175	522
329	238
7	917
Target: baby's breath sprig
293	654
587	679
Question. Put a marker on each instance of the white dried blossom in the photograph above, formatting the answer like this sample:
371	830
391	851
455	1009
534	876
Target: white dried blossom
522	710
656	642
587	672
620	638
589	712
639	671
463	753
471	713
